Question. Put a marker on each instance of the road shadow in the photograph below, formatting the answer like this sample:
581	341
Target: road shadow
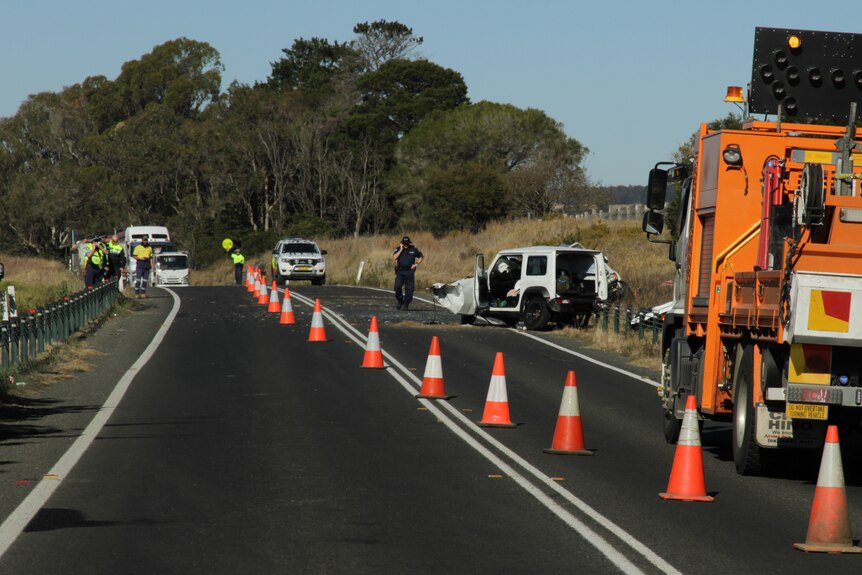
48	519
18	417
796	465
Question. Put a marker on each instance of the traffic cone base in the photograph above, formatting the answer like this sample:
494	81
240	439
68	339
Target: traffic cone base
829	524
686	477
569	434
373	358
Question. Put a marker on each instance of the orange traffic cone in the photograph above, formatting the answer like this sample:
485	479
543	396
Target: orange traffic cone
249	279
686	476
497	403
569	433
263	298
256	291
287	317
432	382
318	332
274	306
829	525
373	356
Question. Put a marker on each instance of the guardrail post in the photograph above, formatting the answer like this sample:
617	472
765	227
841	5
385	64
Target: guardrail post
24	347
642	319
654	332
628	321
40	337
617	318
4	342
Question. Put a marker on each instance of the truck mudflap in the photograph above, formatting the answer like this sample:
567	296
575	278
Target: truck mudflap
775	430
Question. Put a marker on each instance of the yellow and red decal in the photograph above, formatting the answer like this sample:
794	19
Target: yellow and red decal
829	311
810	363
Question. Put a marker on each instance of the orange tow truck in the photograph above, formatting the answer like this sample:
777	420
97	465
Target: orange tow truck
766	326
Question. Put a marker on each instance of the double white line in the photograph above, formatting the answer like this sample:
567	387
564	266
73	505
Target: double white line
458	423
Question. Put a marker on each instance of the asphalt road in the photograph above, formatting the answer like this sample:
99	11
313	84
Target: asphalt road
240	447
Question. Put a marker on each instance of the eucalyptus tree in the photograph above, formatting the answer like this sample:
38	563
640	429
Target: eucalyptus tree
538	165
381	41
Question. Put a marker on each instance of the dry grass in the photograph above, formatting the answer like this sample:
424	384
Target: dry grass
39	281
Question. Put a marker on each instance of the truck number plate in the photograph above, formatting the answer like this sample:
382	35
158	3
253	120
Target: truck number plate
805	411
303	269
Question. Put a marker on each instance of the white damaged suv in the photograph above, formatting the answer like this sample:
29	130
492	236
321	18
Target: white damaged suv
533	286
298	259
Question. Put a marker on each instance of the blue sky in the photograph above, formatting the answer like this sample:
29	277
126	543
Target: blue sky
630	80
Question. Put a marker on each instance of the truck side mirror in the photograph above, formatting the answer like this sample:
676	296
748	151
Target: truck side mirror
656	189
653	223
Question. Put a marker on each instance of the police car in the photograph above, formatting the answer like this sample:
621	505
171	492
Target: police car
298	259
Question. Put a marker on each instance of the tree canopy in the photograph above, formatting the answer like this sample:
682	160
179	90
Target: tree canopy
342	138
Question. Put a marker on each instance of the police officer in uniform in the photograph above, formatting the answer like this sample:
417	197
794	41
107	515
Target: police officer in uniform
407	258
238	261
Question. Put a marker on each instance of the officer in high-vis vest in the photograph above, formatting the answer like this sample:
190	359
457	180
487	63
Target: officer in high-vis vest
96	263
116	257
238	261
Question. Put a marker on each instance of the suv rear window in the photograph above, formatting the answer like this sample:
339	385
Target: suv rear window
298	249
537	265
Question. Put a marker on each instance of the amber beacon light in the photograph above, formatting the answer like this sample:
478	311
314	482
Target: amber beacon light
794	42
734	94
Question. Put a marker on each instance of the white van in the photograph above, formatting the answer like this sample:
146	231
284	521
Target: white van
172	269
158	237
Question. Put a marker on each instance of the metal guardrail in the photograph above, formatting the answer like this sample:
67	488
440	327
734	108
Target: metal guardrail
640	322
24	337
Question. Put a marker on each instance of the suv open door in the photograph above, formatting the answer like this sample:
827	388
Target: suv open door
481	294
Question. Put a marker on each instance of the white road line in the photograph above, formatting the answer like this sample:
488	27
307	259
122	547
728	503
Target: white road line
27	509
591	536
590	359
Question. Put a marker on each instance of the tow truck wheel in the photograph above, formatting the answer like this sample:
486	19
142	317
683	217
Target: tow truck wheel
672	425
746	453
536	313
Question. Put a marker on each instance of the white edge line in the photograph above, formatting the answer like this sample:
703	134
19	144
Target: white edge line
27	509
624	536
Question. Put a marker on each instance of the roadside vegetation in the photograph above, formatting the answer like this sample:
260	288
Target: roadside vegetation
38	281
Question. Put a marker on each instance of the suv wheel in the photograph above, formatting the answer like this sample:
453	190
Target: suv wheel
536	313
318	281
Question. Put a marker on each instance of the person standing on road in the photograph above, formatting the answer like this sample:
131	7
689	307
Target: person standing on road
143	255
407	258
238	261
116	258
97	261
